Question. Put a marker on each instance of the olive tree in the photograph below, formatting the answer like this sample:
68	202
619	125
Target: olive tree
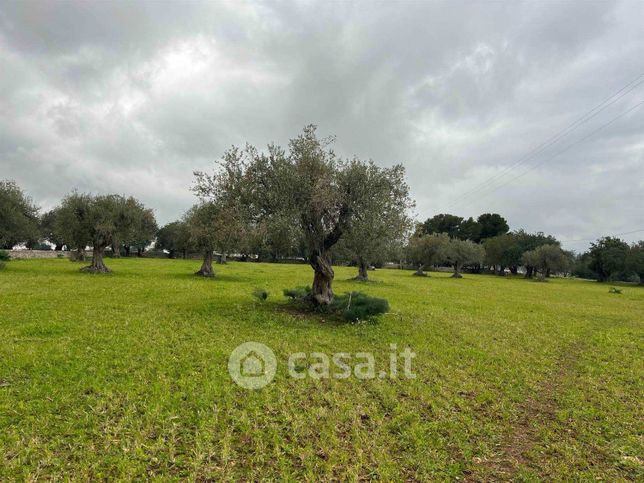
306	183
635	260
427	250
48	229
547	259
461	253
84	219
212	226
175	238
71	224
18	216
502	251
608	257
382	221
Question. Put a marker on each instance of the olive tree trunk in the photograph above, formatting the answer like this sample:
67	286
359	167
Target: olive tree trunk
457	270
78	255
116	250
97	265
321	291
419	271
206	267
363	273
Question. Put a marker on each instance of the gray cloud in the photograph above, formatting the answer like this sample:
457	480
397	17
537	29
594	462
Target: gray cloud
132	97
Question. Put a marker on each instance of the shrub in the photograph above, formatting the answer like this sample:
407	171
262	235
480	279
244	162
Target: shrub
352	307
260	294
297	293
357	306
4	256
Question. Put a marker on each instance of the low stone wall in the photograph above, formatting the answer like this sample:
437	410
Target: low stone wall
29	254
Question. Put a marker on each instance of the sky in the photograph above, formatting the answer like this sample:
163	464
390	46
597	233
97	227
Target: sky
528	109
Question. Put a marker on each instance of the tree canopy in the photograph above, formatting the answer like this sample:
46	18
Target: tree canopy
18	216
323	195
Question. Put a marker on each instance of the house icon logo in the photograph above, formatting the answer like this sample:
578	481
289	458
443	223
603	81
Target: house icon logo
252	365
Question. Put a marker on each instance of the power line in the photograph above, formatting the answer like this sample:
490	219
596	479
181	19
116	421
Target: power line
610	100
613	235
603	126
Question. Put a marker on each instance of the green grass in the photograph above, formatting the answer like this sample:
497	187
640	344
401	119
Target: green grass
125	376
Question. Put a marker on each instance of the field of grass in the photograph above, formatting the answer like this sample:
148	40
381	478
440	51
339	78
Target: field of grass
125	376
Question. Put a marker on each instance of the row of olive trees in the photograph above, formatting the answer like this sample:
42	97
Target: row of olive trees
537	253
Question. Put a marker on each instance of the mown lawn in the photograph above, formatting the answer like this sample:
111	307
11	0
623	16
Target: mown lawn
125	376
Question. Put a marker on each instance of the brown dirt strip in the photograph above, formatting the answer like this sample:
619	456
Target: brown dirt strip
534	413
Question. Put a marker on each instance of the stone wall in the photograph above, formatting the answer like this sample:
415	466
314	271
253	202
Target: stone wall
28	254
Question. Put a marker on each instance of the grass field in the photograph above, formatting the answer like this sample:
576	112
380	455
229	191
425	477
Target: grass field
125	376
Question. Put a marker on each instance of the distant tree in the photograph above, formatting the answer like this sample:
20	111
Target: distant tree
135	227
581	267
384	219
529	241
608	257
175	238
84	219
72	223
18	216
212	226
442	223
427	250
462	253
492	224
48	229
502	251
281	237
143	230
469	229
635	260
547	259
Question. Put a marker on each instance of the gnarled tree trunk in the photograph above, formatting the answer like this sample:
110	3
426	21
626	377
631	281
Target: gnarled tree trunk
321	291
206	267
363	274
97	265
419	271
116	250
78	255
529	271
457	270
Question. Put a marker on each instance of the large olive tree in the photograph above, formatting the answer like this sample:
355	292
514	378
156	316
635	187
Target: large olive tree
83	219
306	183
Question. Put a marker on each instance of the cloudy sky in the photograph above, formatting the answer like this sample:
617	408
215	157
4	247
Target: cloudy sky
491	106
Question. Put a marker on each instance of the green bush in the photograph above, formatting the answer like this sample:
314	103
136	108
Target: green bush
352	307
297	293
4	256
260	294
356	306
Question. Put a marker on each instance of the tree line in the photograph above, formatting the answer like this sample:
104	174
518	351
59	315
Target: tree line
302	201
